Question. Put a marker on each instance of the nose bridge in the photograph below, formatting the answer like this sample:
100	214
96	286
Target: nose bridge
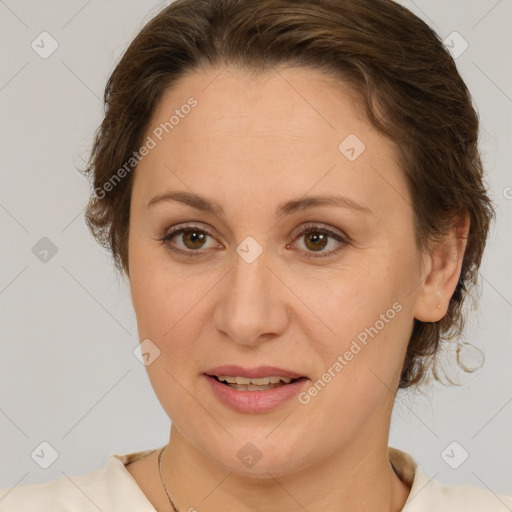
250	274
249	285
250	304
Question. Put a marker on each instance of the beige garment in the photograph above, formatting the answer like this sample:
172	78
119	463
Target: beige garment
113	489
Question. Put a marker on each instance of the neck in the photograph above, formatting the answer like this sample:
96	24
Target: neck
357	478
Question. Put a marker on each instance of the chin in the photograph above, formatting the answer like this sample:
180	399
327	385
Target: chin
259	457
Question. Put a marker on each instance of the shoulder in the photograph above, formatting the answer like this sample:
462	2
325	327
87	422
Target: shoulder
109	489
428	494
84	493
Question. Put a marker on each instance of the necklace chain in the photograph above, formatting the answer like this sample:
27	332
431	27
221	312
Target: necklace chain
162	480
163	483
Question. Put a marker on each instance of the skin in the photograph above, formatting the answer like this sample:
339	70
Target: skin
251	143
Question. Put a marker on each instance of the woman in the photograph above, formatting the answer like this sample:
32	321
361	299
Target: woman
295	193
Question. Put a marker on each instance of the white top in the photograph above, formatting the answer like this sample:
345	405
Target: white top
113	489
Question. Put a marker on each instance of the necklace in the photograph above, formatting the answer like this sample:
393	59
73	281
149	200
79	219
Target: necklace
162	480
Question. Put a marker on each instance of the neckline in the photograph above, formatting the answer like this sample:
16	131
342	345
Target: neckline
404	466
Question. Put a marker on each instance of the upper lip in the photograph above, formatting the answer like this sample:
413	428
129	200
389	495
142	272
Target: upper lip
252	373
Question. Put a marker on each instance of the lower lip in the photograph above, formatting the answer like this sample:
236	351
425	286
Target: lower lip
255	401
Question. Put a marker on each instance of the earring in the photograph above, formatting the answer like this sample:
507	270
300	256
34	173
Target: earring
439	306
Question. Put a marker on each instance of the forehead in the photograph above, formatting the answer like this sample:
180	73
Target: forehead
293	127
279	105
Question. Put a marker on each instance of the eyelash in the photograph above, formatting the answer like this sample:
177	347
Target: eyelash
303	230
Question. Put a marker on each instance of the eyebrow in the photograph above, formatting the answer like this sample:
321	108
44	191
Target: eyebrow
202	203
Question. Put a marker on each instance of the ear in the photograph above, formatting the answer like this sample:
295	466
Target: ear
442	267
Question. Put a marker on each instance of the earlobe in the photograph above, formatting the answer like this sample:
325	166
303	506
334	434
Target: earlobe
442	271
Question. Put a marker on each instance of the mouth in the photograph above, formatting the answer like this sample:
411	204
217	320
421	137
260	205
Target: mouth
257	384
254	390
261	378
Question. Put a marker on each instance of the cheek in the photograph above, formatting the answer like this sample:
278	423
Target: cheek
154	299
170	302
345	302
361	326
167	303
164	303
359	365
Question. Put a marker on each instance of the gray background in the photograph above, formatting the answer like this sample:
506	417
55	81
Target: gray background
68	372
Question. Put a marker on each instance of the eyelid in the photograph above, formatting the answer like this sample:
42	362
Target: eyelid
319	226
199	226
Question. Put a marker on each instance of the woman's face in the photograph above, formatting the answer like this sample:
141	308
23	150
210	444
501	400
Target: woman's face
245	287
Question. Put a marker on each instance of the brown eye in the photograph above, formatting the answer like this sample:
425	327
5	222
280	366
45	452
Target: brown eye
188	240
193	239
316	238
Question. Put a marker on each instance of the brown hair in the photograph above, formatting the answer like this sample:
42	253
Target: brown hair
407	81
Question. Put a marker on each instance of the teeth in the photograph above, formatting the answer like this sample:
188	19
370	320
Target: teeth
229	380
256	382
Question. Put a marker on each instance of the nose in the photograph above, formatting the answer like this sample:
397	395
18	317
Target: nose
251	307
